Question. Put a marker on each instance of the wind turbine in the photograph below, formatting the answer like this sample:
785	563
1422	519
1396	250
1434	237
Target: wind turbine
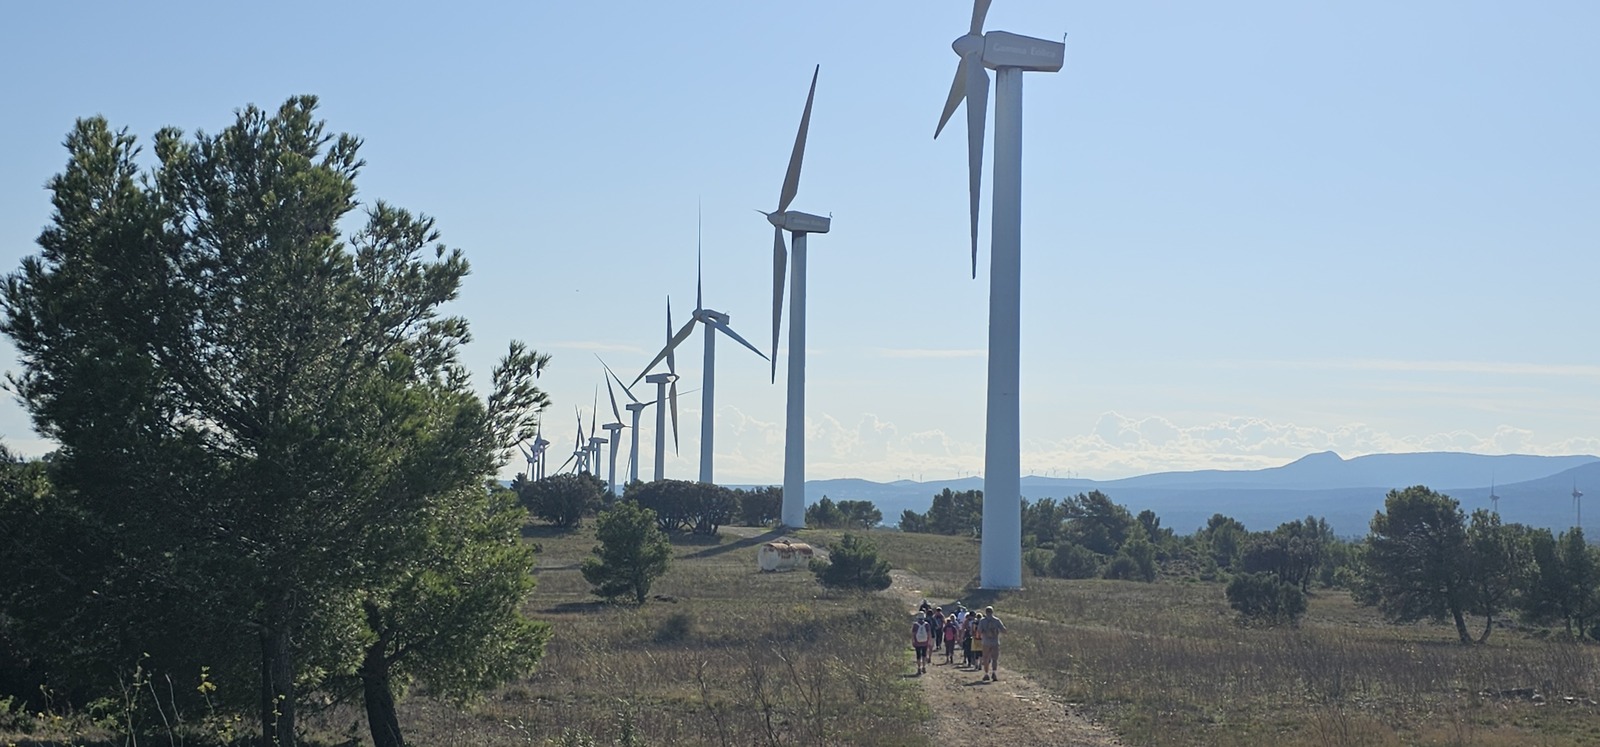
580	452
1010	55
1577	504
612	429
665	396
1494	500
798	225
634	408
714	321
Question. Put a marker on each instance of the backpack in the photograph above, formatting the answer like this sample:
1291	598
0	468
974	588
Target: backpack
919	633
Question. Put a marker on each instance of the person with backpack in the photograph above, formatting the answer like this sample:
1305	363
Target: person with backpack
950	639
921	639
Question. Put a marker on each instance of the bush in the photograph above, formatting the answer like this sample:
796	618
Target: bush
562	500
633	552
854	565
1037	561
1143	555
1074	561
1261	597
1122	568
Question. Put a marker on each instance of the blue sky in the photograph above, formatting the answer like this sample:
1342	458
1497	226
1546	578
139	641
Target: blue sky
1251	230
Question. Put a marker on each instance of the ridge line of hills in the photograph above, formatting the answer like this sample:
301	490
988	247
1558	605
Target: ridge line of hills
1533	490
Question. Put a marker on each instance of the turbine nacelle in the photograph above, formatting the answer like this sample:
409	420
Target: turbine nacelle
1005	49
795	221
660	378
711	316
635	406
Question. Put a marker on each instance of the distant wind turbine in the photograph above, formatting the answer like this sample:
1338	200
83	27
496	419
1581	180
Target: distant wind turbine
1494	500
714	322
634	408
1577	504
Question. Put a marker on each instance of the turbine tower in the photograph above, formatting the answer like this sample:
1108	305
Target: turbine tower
1494	500
1009	55
798	225
1577	504
714	321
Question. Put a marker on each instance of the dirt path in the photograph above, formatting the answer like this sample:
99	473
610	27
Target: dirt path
1012	711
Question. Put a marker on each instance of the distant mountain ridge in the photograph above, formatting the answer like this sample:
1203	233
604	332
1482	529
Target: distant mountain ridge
1534	490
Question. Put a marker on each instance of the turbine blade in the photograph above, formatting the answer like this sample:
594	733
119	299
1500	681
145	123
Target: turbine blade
780	263
672	398
612	393
625	389
725	329
666	352
697	303
791	180
958	91
977	108
980	8
569	461
672	363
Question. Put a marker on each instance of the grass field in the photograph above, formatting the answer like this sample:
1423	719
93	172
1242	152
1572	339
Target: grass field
724	655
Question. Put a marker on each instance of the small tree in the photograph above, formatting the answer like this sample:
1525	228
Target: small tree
860	514
1074	561
854	564
633	552
759	507
1262	597
562	500
1417	558
825	513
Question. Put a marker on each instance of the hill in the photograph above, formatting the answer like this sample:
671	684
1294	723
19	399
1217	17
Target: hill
1534	490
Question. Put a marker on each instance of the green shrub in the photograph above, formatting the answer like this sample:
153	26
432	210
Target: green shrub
1122	568
1262	597
633	552
1037	561
1074	561
853	564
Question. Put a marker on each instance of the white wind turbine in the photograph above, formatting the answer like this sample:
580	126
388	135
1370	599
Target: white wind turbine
612	429
798	225
535	454
1010	55
580	450
634	408
714	321
666	397
1577	504
1494	500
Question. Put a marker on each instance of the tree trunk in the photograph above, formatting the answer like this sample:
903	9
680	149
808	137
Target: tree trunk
1461	624
1488	625
277	679
381	718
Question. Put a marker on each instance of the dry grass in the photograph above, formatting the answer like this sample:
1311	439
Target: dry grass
729	656
721	655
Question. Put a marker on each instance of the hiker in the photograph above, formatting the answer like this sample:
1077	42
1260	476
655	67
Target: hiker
975	655
921	639
950	640
991	627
